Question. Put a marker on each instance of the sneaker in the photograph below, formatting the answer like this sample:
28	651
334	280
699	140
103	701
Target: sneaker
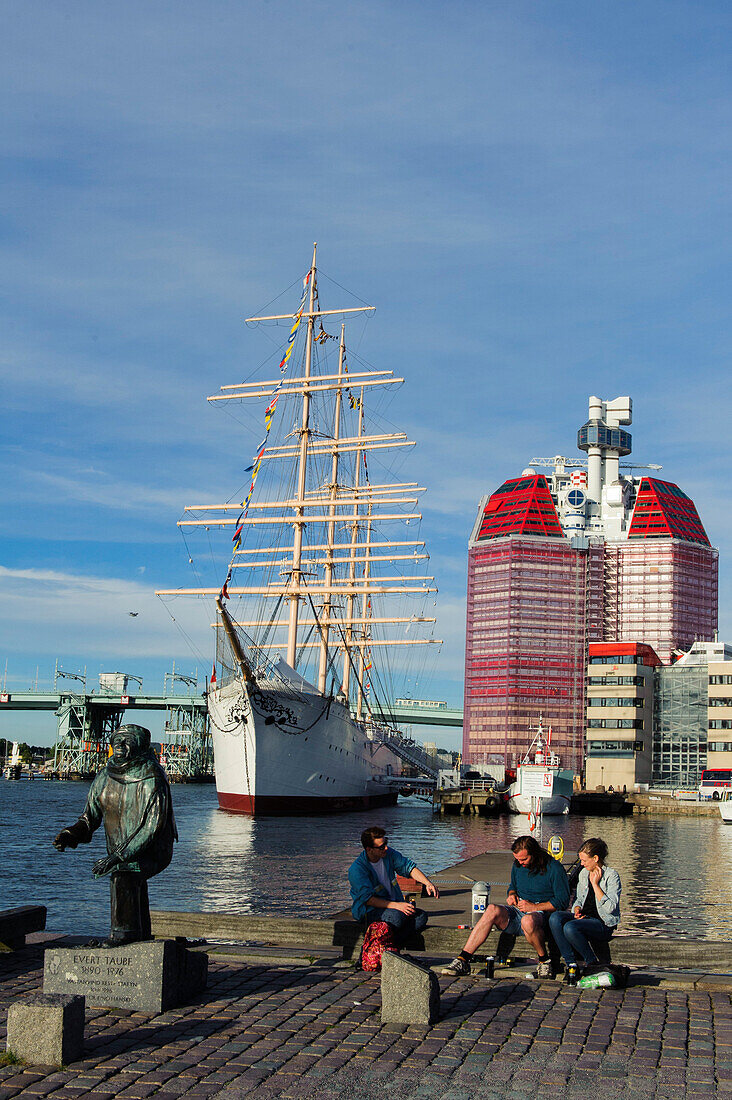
458	968
544	969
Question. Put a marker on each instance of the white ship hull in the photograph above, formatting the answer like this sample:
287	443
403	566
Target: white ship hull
521	804
556	803
279	755
725	810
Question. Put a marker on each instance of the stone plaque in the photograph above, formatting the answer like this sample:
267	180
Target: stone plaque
143	977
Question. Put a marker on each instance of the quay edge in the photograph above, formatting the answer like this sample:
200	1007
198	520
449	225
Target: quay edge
634	950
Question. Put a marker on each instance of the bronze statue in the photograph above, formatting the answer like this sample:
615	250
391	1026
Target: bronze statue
131	796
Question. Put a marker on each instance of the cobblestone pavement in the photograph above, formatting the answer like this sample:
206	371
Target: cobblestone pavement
316	1032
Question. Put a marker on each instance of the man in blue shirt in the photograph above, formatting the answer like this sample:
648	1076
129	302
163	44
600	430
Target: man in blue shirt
374	888
539	886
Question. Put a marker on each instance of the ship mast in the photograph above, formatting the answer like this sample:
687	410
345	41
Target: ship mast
350	601
345	510
366	598
296	573
330	545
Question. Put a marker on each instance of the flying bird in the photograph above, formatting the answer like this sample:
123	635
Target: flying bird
133	614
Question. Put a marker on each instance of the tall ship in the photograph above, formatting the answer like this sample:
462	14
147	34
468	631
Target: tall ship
322	550
541	770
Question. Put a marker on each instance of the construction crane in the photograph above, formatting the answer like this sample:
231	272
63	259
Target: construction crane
561	463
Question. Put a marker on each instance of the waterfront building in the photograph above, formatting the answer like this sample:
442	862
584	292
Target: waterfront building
668	722
620	694
584	553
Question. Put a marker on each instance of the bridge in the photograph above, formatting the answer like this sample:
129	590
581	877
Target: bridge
52	700
422	713
86	720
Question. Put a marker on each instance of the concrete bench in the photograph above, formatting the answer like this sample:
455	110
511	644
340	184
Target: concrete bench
16	924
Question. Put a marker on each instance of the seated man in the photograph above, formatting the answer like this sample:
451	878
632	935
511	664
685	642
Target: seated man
539	886
374	887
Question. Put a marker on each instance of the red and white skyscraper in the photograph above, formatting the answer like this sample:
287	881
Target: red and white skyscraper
583	553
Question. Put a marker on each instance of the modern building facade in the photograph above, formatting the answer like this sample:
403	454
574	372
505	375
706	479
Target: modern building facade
585	553
620	694
681	715
719	707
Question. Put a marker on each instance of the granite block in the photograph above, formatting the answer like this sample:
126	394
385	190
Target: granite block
142	977
409	993
47	1029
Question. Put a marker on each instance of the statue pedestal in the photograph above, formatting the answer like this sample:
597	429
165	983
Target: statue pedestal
143	977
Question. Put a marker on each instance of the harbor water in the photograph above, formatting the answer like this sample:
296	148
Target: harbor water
674	870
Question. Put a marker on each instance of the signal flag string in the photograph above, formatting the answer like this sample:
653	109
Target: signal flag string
268	414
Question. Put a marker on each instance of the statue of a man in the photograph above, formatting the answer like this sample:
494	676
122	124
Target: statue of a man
131	796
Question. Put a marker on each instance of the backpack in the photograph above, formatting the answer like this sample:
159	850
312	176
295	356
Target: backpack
378	938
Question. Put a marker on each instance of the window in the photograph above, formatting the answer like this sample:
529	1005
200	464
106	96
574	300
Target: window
611	701
613	748
615	680
617	659
615	723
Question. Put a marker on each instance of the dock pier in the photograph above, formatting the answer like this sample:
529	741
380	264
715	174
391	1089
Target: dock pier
478	797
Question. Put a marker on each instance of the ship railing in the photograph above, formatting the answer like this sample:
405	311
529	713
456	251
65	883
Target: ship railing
406	749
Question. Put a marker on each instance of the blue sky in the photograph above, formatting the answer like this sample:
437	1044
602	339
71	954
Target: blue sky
534	196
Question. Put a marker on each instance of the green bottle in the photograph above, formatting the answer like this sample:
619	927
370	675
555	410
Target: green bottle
596	981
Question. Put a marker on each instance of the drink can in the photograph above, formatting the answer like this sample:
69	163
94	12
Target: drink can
490	965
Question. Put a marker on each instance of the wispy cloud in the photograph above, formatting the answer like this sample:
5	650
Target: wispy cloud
49	613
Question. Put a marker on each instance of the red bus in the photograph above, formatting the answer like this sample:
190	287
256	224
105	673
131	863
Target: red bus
715	782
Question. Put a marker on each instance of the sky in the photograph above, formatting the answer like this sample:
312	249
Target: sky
534	196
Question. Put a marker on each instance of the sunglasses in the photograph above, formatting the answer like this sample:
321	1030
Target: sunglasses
380	847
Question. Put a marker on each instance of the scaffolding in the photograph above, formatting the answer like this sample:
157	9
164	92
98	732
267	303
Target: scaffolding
660	591
525	647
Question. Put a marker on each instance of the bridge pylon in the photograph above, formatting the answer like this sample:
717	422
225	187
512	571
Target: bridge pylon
83	734
187	751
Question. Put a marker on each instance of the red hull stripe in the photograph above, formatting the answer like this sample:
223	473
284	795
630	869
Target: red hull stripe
276	806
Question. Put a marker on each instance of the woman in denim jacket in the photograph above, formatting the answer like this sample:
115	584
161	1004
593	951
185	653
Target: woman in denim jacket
596	912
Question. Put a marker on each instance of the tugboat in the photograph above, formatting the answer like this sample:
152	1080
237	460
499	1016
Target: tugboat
540	761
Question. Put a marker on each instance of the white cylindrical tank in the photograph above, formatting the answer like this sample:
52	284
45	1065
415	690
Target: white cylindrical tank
480	898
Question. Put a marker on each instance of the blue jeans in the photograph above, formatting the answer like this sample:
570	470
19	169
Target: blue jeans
398	920
574	937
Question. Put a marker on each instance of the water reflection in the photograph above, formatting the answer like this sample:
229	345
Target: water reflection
673	869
